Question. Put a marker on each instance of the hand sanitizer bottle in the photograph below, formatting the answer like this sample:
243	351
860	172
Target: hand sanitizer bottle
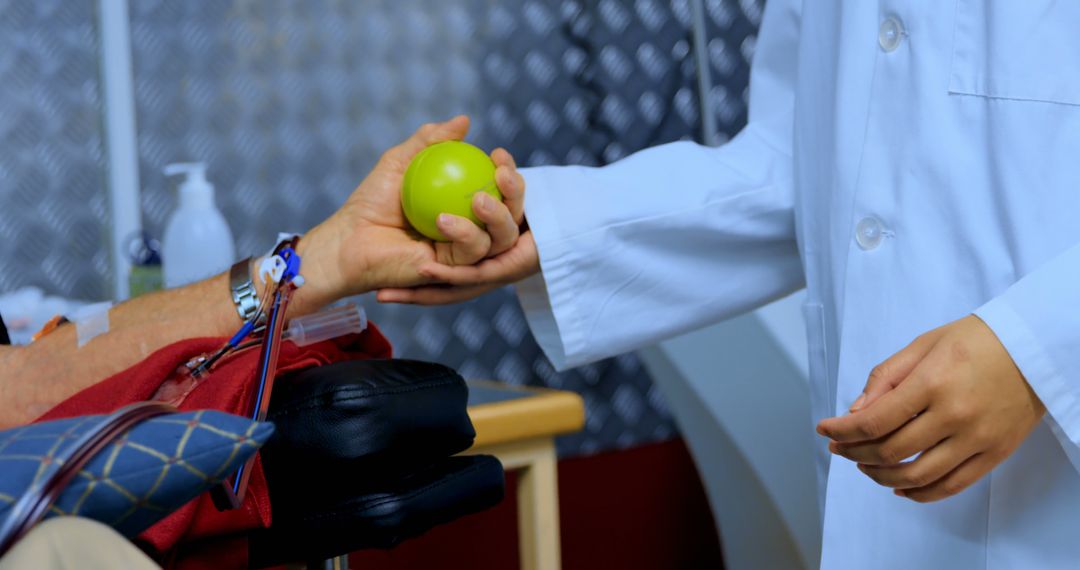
197	241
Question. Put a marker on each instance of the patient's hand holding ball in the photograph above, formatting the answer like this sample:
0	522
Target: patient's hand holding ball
443	178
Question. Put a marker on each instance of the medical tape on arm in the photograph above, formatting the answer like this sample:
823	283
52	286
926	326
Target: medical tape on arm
91	321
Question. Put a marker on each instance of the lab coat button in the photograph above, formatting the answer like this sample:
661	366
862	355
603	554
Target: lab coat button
868	233
890	34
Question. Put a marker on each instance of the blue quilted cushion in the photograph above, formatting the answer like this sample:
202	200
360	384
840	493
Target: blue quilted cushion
144	475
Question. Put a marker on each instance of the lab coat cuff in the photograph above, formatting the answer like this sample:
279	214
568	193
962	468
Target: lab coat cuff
1041	372
548	299
533	296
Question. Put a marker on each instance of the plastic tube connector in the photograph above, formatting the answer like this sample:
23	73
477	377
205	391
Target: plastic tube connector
328	324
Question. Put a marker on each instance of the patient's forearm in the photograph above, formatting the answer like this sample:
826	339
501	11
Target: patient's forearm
39	376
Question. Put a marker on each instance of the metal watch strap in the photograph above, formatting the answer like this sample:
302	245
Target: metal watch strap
243	291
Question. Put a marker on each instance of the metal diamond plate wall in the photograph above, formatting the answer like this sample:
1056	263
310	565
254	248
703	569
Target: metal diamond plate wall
53	203
291	103
731	27
587	82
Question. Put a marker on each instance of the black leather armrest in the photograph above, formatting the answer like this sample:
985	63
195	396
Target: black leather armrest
381	414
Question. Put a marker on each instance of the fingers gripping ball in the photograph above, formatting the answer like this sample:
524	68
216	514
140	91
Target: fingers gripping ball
443	178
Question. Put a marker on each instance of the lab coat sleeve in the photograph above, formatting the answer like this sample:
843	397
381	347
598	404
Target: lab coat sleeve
1038	322
674	237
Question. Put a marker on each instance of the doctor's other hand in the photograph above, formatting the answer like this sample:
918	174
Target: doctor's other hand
455	284
368	244
955	397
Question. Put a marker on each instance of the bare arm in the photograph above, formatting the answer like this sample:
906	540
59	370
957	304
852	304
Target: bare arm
36	377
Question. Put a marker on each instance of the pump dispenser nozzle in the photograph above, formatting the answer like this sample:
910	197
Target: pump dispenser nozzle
195	191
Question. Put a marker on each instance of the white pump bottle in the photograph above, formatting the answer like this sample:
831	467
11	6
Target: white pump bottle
197	241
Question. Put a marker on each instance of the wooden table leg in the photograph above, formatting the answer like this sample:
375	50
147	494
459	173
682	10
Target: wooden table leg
538	499
538	511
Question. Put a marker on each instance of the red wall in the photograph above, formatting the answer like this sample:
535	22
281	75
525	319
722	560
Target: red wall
639	508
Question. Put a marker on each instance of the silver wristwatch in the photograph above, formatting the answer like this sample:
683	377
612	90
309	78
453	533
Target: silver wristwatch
243	291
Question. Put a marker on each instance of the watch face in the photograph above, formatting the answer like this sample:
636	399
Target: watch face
240	274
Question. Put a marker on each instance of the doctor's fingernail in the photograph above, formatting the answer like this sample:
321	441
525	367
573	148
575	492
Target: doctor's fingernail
858	402
486	203
446	220
899	492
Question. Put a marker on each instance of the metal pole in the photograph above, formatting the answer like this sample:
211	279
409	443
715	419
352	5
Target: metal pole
120	142
704	72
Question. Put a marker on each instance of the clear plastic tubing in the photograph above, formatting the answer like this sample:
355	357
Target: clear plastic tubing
327	324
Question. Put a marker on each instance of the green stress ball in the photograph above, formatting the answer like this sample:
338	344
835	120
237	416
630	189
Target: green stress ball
443	178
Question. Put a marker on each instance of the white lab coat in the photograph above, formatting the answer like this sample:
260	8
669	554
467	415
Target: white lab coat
958	150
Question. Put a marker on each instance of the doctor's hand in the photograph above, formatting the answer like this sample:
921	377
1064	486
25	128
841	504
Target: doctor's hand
955	397
368	244
461	283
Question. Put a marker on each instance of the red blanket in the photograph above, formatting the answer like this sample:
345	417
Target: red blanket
229	388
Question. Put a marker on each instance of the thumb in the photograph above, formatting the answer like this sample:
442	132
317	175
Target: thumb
890	373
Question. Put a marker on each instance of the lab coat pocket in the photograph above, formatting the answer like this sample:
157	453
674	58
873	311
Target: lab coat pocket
1023	50
821	390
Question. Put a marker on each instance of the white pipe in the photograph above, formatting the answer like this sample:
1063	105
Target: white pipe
120	141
